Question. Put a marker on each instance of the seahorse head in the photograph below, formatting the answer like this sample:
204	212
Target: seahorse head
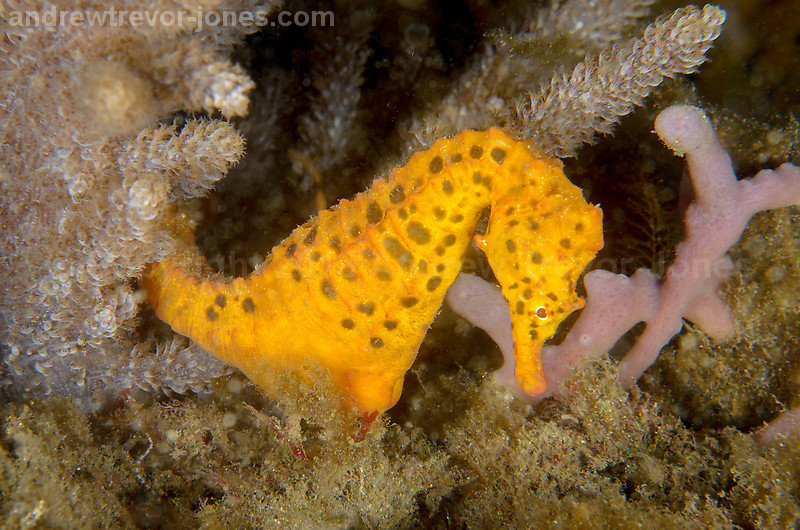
537	248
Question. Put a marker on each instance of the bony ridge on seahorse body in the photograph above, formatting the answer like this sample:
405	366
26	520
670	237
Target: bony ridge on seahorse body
354	290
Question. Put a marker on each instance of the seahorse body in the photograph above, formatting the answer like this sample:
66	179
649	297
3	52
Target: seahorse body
355	289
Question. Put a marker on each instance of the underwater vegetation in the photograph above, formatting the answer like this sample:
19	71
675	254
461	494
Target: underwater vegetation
241	133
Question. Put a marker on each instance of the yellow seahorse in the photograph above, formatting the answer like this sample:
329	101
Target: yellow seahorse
354	290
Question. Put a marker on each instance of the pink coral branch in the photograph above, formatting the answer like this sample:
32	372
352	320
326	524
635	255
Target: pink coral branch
785	425
714	223
602	322
715	220
483	305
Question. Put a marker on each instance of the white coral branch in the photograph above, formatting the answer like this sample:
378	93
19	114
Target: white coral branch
574	107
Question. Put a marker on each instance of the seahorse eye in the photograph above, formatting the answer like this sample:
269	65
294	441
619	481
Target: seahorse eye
541	312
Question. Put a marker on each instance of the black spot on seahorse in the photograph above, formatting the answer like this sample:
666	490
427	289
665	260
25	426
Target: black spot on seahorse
366	307
447	187
433	283
311	236
248	306
527	294
220	300
397	195
374	213
418	233
498	155
409	301
349	274
398	252
436	165
327	289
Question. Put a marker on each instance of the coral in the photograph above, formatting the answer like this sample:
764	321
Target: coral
332	126
568	112
753	376
89	177
718	215
569	109
521	58
596	24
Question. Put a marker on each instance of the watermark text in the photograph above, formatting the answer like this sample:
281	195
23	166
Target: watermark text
196	20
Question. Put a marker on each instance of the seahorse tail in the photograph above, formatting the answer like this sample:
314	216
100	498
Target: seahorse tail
172	285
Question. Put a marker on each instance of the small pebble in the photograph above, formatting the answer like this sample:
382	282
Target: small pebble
688	342
171	436
235	385
229	420
775	273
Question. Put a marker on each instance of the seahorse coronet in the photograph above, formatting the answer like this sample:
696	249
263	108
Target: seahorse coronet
353	290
